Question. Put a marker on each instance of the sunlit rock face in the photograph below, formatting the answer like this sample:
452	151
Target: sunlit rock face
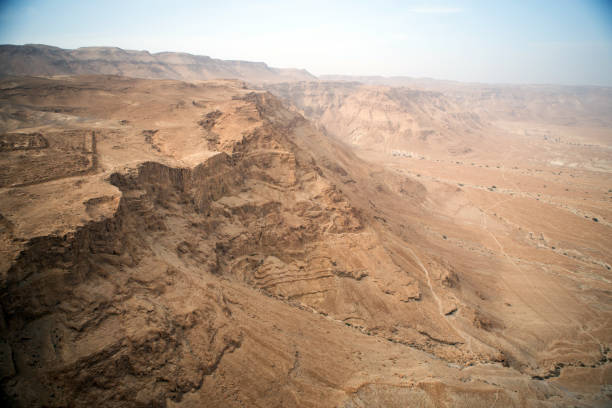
169	243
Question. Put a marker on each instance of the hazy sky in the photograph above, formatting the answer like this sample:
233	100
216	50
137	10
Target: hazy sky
568	42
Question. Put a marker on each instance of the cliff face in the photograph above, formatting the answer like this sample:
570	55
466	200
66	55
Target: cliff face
382	117
202	244
438	117
44	60
555	104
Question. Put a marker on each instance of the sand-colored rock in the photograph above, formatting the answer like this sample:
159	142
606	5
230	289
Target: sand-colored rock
212	247
44	60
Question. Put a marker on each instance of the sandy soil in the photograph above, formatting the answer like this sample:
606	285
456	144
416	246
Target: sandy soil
201	243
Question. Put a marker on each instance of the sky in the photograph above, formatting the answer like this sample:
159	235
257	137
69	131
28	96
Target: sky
496	41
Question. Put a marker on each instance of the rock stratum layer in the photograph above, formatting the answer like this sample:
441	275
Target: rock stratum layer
440	116
180	244
45	60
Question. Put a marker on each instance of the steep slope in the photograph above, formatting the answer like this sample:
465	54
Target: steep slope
384	118
556	104
44	60
441	117
172	244
518	200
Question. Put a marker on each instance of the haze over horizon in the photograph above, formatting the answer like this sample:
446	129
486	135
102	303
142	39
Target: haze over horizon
563	42
193	228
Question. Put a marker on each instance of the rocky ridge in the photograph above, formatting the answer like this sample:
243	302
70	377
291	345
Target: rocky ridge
217	247
44	60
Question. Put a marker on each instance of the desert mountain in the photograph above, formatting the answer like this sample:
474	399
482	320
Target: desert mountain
428	115
296	242
44	60
168	243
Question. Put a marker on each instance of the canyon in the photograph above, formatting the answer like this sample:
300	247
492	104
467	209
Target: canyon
183	240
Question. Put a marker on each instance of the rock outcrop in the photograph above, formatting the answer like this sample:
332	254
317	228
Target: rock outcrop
44	60
201	244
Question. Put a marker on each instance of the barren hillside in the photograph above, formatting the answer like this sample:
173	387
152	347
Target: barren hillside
44	60
171	243
441	116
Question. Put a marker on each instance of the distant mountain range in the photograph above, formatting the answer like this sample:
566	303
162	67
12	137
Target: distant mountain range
298	87
44	60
